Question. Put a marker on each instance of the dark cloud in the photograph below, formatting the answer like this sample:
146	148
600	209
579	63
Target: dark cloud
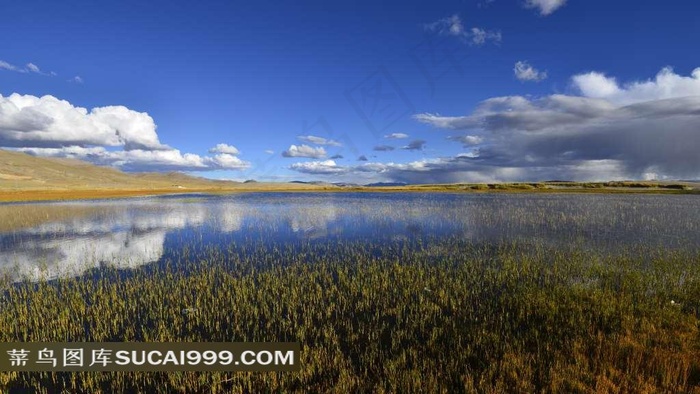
647	129
644	140
644	130
383	148
467	140
415	145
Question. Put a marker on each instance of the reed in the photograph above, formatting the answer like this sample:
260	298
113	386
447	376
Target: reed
433	315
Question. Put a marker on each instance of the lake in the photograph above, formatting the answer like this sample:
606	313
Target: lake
49	240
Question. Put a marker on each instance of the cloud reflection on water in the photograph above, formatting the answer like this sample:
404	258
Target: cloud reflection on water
62	239
131	233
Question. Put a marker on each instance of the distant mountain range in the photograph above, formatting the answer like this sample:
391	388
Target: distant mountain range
24	177
347	184
387	184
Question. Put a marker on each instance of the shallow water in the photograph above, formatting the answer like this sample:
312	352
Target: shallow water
67	238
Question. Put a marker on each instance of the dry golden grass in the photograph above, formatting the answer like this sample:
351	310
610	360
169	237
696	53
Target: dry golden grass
27	178
13	217
404	320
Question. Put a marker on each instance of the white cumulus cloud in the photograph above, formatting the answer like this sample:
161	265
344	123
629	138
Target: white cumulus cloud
305	151
225	148
46	121
225	161
665	85
318	167
113	135
312	139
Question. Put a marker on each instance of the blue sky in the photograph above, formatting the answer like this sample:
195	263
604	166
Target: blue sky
483	91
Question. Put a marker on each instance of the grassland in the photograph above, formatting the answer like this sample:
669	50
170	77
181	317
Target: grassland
547	187
436	316
431	314
27	178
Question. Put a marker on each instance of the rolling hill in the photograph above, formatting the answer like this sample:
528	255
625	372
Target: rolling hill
21	171
26	177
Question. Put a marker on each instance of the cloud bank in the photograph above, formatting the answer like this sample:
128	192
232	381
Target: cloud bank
113	135
143	160
640	130
605	130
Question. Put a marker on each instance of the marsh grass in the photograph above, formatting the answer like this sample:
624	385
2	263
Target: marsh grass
441	315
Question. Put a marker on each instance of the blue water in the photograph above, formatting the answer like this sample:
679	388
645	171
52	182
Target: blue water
73	237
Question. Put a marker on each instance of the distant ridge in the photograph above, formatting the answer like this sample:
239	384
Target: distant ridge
318	183
350	184
387	184
24	177
22	172
26	172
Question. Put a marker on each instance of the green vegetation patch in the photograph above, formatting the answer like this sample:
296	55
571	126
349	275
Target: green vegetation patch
445	316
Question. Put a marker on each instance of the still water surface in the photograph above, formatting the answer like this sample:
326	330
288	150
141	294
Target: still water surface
67	238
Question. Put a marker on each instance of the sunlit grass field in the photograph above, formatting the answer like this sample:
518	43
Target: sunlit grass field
430	315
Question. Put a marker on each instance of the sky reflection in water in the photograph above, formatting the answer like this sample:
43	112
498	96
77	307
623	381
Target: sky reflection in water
60	239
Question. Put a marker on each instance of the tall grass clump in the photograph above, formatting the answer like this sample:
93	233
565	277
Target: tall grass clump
429	315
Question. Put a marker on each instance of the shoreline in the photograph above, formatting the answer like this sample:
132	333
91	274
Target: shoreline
47	195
